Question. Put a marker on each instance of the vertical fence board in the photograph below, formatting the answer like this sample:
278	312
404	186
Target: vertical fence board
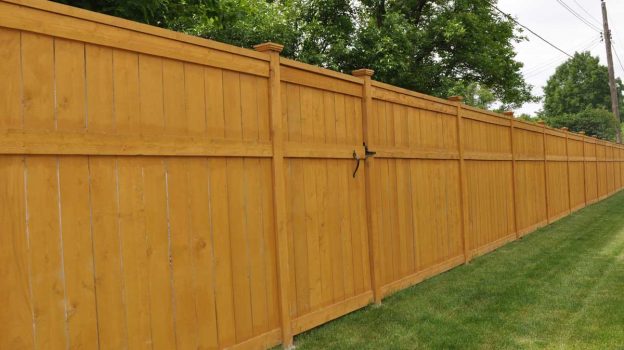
201	248
221	235
195	100
174	102
110	291
16	320
38	81
99	89
182	277
46	257
134	253
77	250
159	244
69	77
11	71
126	91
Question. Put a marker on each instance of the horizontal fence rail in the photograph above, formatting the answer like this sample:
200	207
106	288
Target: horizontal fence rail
164	191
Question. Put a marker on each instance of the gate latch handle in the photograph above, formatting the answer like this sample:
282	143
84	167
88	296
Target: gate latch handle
357	162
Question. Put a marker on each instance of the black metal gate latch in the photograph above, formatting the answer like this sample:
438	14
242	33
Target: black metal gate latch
367	154
357	162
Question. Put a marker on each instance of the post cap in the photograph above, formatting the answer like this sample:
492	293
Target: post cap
269	46
364	72
509	114
582	132
456	98
541	122
565	129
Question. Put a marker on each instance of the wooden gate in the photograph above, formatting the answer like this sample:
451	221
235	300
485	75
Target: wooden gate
326	202
414	186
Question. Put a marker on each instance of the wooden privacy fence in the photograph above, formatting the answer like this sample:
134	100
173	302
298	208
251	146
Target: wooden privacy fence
163	191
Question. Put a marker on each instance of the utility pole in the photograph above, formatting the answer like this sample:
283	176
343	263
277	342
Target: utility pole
614	91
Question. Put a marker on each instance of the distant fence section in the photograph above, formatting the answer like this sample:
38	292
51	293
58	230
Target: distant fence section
163	191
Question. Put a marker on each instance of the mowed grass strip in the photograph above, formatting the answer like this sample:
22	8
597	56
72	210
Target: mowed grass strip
561	287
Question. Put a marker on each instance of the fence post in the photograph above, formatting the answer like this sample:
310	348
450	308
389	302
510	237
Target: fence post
463	184
568	168
545	169
279	187
373	231
510	115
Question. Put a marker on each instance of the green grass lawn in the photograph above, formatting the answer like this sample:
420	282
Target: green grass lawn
561	287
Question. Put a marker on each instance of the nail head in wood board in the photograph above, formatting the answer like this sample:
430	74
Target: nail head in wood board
269	47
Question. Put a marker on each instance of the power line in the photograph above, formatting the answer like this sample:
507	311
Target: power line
614	30
540	70
546	68
586	12
529	29
618	58
577	15
587	45
614	46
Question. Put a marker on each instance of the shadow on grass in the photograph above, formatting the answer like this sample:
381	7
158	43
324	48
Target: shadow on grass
561	287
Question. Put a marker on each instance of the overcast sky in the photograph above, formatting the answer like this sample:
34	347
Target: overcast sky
552	21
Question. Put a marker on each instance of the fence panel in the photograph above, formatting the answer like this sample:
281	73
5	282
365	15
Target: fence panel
557	174
416	186
490	210
576	171
601	170
123	245
530	177
610	169
616	169
621	163
591	171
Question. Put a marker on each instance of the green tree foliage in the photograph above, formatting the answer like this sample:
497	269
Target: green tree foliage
474	95
579	83
431	46
173	14
577	92
594	121
246	23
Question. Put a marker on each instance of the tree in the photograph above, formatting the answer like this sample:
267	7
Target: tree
578	84
245	23
594	121
474	94
173	14
431	46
